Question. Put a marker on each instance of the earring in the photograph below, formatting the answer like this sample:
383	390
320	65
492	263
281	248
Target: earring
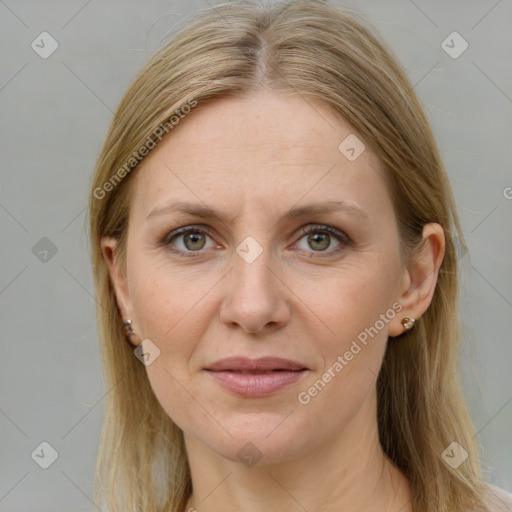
408	323
130	333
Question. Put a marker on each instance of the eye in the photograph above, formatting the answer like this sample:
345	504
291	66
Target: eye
320	238
188	240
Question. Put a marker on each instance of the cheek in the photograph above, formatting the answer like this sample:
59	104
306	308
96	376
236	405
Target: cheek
169	301
171	310
355	307
167	320
352	357
352	300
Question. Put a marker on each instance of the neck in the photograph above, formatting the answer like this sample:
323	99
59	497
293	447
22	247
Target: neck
347	473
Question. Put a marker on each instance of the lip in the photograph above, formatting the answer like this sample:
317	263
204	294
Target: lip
253	378
262	364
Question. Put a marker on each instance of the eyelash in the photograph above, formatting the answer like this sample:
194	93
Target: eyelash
344	239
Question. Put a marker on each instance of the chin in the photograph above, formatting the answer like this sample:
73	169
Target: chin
260	438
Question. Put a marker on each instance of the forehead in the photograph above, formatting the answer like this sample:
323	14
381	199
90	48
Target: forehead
259	148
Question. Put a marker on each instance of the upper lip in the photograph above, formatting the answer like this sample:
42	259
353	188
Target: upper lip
261	364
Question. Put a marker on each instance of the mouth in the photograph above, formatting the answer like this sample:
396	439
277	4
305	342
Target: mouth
252	378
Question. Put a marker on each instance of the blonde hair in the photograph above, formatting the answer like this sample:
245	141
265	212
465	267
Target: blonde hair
325	52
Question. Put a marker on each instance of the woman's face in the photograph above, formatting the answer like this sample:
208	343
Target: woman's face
263	278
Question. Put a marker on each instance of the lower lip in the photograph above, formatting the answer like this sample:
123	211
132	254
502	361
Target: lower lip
251	385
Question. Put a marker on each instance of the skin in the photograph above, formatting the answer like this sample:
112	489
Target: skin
253	159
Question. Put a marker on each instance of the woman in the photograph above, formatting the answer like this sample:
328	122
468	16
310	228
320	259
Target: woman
274	234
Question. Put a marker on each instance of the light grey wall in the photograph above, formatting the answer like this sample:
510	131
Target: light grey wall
55	113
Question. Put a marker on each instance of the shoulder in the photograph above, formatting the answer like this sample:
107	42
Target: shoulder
498	497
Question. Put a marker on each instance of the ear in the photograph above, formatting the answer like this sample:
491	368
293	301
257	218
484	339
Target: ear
420	277
118	278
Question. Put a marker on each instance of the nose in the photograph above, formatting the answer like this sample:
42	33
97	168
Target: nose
256	297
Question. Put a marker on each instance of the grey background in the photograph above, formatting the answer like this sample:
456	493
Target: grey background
55	114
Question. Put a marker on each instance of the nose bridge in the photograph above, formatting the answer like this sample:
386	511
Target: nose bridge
253	295
253	265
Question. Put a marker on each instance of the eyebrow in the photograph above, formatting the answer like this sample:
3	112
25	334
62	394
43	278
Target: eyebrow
205	212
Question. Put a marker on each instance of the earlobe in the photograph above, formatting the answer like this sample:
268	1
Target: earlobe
421	279
131	336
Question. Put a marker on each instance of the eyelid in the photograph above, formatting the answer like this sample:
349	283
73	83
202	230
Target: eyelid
341	235
185	229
